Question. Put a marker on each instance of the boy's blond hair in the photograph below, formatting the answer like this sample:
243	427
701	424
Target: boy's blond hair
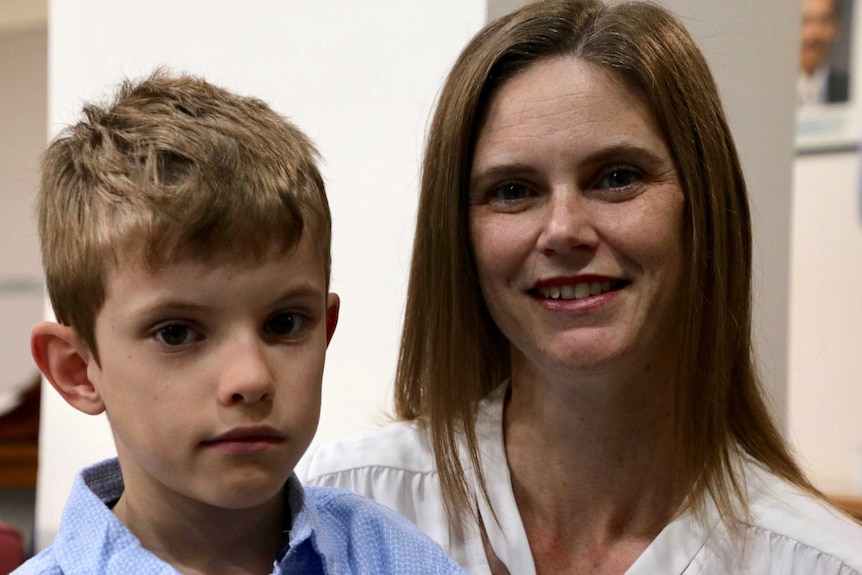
172	167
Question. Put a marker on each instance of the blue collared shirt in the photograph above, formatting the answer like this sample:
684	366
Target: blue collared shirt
333	532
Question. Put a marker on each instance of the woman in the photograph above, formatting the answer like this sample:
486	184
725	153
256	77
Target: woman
576	385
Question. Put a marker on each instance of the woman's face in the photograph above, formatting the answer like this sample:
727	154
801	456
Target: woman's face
576	221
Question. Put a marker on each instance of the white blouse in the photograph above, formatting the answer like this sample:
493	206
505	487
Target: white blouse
789	531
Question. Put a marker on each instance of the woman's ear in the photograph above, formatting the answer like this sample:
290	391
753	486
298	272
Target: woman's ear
63	360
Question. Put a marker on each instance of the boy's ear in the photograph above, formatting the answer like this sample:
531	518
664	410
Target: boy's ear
63	360
333	303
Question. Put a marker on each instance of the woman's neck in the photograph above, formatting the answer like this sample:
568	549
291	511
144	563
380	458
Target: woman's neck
593	465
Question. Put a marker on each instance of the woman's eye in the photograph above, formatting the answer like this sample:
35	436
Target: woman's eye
619	178
283	324
175	335
510	192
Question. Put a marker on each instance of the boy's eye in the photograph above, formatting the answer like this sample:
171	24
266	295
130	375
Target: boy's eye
282	324
618	178
175	335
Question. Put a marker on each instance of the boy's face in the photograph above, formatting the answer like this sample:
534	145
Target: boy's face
211	373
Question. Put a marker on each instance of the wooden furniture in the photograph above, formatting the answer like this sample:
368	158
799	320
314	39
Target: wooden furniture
19	440
18	464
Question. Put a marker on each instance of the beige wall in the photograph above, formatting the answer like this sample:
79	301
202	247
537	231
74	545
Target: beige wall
16	15
23	113
23	93
825	387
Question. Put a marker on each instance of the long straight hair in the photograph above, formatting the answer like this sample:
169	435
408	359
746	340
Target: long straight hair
452	353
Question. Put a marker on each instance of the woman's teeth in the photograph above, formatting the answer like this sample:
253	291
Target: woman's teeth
576	291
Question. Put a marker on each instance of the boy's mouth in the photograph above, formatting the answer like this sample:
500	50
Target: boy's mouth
247	434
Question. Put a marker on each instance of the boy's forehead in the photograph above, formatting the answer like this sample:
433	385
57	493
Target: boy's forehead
132	258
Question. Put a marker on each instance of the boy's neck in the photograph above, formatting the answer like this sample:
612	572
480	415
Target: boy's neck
196	538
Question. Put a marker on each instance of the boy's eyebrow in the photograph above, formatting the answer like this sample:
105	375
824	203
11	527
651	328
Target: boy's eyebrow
301	290
178	303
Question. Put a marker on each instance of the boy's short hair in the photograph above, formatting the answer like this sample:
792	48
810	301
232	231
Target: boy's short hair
172	167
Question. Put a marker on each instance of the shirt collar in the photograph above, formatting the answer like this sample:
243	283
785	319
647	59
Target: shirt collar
301	519
107	546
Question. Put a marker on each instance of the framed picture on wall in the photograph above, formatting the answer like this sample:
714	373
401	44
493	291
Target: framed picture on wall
829	83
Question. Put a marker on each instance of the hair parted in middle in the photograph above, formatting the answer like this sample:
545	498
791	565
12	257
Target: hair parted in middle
172	167
452	354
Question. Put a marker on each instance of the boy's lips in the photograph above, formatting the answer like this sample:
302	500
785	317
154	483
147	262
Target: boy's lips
576	287
246	439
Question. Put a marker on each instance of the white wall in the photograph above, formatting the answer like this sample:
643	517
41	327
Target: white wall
359	78
825	391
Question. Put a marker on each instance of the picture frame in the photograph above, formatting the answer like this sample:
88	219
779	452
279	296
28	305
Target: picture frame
829	109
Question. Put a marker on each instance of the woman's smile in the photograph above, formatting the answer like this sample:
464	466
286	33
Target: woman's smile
575	288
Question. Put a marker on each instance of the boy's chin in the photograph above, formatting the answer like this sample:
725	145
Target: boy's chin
249	496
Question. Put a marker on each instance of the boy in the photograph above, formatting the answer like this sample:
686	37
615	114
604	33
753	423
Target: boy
185	235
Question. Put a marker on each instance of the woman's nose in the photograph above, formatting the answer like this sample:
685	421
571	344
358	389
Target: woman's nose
568	223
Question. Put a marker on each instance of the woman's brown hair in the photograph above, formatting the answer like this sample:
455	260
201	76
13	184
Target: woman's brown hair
452	354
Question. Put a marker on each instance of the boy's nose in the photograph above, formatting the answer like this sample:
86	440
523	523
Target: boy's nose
246	375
